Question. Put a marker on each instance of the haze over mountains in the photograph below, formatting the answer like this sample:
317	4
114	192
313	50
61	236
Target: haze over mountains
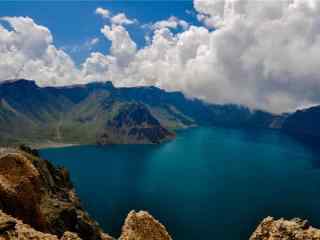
101	113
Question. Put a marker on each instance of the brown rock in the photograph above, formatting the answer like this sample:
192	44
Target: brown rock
20	231
142	226
17	230
70	236
105	236
295	229
41	195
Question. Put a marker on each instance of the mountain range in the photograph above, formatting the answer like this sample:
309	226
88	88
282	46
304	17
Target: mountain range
99	113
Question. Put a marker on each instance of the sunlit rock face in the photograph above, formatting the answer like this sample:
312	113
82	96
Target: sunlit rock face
142	226
41	195
37	201
295	229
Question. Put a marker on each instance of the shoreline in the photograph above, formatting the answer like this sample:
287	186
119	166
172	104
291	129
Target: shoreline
40	146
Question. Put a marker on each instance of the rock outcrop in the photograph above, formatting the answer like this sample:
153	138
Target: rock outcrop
41	195
134	124
295	229
138	226
14	229
142	226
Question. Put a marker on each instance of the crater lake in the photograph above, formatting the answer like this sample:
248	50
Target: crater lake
208	183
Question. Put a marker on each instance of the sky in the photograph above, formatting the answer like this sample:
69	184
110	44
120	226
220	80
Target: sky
73	23
262	54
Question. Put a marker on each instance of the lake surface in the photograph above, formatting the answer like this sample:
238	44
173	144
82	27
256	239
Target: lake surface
207	182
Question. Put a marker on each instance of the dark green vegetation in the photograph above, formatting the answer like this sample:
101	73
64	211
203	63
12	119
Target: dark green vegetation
101	113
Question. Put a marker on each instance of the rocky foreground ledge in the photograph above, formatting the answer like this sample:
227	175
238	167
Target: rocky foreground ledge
38	202
295	229
138	226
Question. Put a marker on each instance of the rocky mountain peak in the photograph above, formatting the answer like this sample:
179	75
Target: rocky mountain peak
134	123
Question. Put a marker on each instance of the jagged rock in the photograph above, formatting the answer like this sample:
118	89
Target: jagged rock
295	229
142	226
134	124
14	229
42	196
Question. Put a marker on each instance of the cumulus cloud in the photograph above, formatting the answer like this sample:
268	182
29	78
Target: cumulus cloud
105	13
262	54
117	19
88	45
173	22
123	48
122	19
27	51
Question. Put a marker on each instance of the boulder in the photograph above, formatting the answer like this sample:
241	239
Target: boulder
142	226
281	229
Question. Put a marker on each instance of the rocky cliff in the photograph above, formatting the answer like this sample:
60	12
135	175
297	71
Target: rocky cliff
42	197
134	124
14	229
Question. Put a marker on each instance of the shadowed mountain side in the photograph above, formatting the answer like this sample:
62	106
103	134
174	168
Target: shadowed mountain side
82	114
134	123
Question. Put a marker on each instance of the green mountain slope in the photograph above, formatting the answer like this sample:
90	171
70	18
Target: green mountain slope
77	114
91	113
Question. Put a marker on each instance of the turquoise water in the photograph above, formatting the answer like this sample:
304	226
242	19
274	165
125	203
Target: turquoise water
208	182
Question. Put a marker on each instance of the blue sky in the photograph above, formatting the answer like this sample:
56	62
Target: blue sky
73	23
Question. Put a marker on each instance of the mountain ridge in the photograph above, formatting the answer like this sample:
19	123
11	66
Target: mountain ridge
80	114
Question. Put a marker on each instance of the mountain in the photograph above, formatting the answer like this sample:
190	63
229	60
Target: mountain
303	122
101	113
78	114
134	123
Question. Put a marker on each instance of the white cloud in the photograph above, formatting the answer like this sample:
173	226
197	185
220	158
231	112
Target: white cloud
263	54
122	19
118	19
105	13
88	45
123	48
172	22
27	51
